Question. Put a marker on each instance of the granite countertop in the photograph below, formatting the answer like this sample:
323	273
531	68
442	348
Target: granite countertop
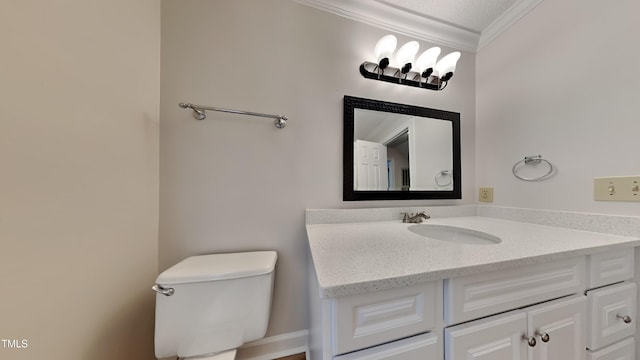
356	258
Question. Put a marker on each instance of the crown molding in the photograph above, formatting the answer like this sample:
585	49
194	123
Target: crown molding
417	26
385	16
506	20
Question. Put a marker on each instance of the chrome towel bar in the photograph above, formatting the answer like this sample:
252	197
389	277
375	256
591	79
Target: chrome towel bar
200	114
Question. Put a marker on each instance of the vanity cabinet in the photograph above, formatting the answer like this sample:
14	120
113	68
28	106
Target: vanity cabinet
553	330
575	308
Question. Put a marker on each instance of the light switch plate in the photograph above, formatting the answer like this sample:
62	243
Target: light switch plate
486	194
617	188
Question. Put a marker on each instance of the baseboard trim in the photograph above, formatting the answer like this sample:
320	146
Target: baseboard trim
274	347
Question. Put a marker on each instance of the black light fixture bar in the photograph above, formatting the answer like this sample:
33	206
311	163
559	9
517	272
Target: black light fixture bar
372	71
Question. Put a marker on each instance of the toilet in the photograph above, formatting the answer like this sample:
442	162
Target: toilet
209	305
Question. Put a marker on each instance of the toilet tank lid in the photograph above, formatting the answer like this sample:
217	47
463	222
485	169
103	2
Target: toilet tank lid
214	267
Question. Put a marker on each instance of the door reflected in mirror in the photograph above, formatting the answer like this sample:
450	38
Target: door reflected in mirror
399	152
396	151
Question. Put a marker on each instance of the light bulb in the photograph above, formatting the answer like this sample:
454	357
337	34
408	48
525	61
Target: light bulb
406	55
383	50
447	66
427	61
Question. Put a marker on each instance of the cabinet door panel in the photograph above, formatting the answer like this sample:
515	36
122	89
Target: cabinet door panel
365	320
474	296
420	347
608	306
610	267
496	338
624	350
564	321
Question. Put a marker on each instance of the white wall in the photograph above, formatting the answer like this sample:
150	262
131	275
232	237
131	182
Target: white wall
400	161
562	82
234	183
435	138
79	87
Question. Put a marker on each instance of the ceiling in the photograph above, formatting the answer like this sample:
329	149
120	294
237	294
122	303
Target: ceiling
462	24
474	15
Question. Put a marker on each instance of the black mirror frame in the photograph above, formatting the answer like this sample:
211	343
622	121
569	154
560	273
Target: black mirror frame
349	194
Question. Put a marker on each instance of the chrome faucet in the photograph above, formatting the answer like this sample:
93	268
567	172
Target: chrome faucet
415	218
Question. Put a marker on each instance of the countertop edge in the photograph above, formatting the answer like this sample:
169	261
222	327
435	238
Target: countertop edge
349	289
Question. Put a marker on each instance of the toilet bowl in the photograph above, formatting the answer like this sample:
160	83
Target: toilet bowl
209	305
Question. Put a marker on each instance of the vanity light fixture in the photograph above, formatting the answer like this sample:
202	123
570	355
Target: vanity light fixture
426	72
427	61
405	57
446	66
384	49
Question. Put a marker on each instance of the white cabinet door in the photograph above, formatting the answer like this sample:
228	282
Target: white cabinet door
496	338
612	314
558	327
420	347
623	350
563	325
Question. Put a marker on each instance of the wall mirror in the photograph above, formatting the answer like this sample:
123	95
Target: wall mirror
399	152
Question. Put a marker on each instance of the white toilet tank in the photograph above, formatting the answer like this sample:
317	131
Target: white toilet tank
218	302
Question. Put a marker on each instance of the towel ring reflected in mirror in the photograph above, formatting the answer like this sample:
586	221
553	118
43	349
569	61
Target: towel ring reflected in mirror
444	178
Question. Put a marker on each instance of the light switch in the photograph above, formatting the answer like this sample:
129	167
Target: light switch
617	188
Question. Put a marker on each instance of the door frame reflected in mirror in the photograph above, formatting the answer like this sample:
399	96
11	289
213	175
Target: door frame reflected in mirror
349	194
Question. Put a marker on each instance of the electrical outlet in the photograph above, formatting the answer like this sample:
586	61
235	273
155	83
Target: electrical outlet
617	188
486	194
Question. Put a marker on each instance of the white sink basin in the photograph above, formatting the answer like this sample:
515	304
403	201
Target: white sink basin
454	234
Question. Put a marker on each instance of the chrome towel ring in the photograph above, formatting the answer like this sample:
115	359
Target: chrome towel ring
532	160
